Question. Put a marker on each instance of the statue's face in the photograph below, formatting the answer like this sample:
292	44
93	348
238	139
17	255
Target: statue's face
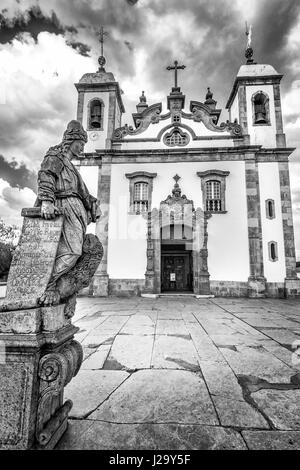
77	147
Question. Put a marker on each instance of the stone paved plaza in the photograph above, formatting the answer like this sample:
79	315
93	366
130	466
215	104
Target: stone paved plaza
181	373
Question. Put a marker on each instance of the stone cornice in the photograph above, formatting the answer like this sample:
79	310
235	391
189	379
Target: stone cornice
243	153
106	86
267	80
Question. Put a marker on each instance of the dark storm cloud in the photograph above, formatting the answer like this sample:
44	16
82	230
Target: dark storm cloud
217	61
273	23
132	2
31	21
17	175
81	48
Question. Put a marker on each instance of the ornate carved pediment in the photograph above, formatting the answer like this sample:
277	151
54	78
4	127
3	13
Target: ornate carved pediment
176	200
150	115
202	113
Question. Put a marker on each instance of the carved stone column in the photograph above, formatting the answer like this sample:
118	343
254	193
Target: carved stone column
256	280
292	282
149	275
101	278
200	253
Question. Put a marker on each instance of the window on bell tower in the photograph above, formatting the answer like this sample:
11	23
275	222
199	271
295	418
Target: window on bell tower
260	109
95	114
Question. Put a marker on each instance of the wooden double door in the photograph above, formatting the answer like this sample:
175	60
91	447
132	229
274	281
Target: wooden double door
176	272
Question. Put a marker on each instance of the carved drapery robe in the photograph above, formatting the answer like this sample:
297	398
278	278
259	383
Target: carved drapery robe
61	183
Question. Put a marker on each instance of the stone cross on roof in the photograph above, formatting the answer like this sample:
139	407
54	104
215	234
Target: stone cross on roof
176	178
176	67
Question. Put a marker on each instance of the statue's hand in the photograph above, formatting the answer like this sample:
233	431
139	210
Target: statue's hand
95	210
89	217
48	210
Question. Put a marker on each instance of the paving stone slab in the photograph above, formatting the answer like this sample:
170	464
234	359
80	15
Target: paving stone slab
139	325
221	380
113	324
159	396
237	339
109	436
272	440
281	335
174	352
130	352
258	362
96	359
90	388
281	406
72	438
97	338
238	413
205	347
171	327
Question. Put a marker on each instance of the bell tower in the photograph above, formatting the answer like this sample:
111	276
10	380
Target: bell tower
255	102
100	106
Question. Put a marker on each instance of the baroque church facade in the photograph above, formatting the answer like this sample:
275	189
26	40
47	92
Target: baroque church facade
189	204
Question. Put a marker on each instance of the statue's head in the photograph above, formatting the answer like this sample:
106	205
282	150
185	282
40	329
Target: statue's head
74	138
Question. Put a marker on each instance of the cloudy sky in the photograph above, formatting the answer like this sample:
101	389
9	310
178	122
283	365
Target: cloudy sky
47	45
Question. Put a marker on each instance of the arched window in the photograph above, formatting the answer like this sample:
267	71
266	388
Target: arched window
95	114
213	196
273	251
261	115
140	197
213	185
140	191
270	209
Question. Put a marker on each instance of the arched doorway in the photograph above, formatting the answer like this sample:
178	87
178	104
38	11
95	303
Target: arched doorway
177	247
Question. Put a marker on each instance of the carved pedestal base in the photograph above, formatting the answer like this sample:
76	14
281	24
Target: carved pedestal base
256	287
100	285
38	357
149	283
292	287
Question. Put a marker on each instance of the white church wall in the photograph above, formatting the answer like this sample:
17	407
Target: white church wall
261	135
272	229
234	110
99	142
90	177
228	234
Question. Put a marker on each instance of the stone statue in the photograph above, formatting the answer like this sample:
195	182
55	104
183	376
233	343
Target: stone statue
53	261
61	190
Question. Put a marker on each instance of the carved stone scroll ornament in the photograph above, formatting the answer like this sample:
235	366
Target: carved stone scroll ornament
55	371
200	114
151	115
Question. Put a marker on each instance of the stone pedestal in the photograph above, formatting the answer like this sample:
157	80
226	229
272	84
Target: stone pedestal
292	287
256	287
38	357
149	282
100	285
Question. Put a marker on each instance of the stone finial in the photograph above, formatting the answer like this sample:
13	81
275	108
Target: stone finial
143	98
209	94
142	105
101	62
209	101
